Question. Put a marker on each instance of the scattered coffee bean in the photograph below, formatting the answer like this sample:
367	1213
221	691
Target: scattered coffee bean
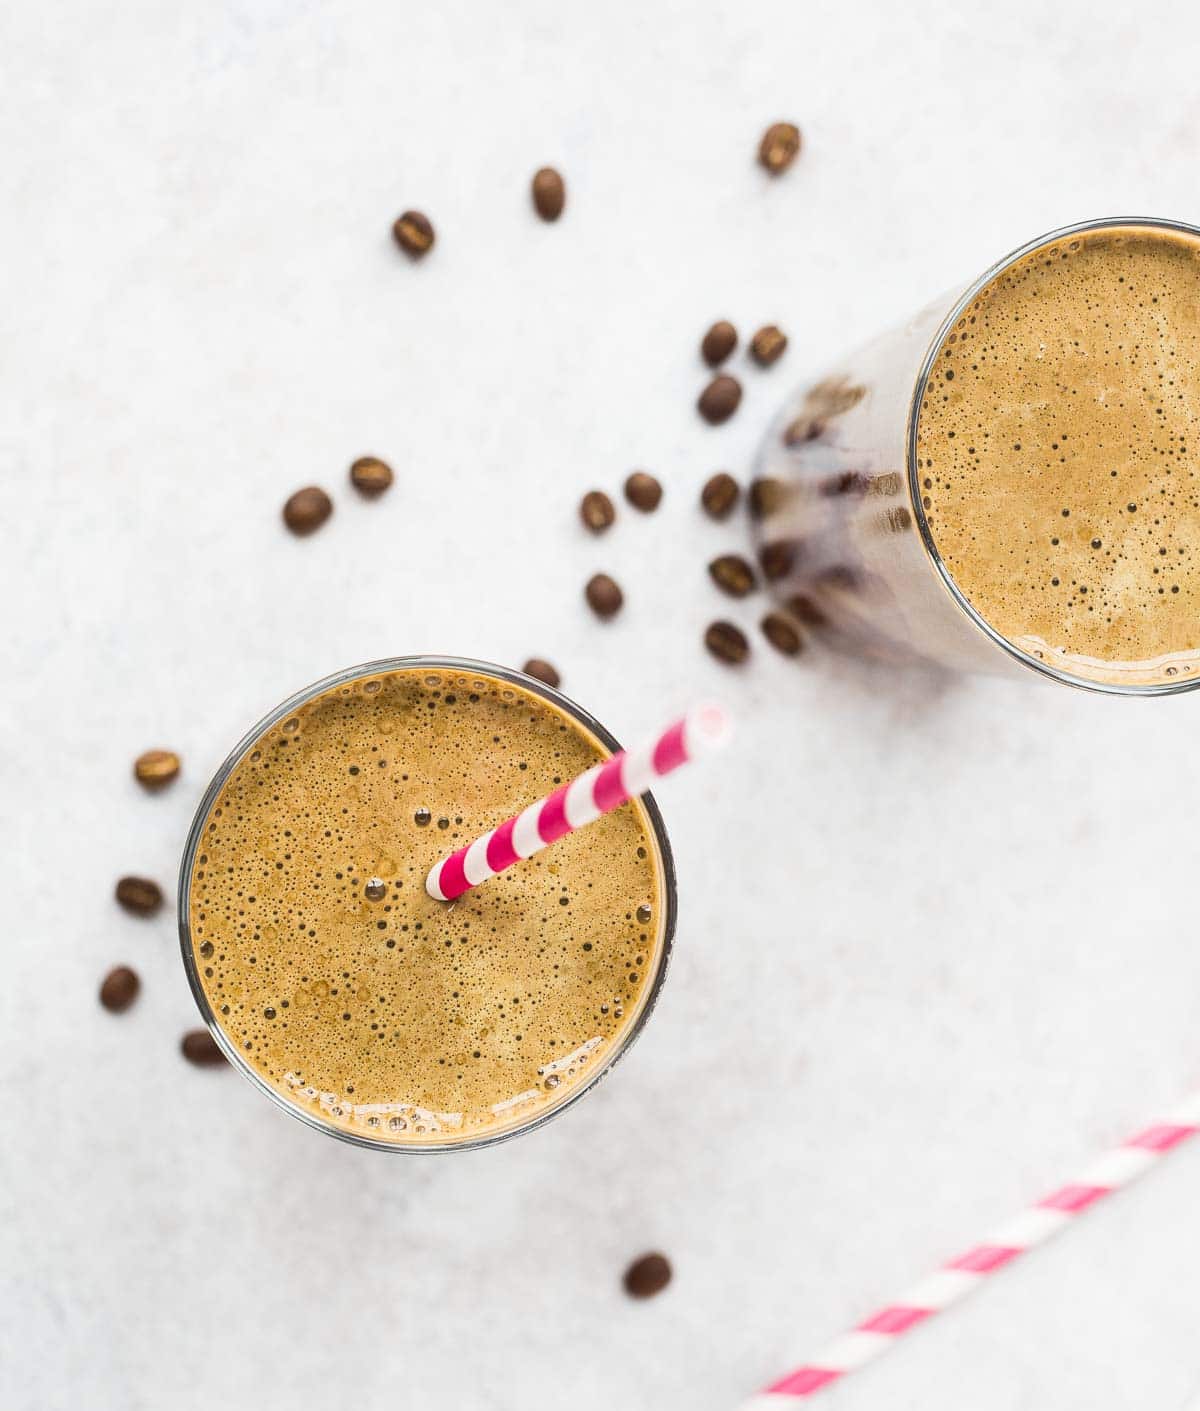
801	606
720	494
727	642
782	634
719	400
307	510
766	496
777	558
414	234
642	491
768	345
139	895
718	343
806	427
119	989
199	1047
779	147
541	671
156	768
647	1276
897	520
596	510
549	193
370	476
733	575
603	595
845	482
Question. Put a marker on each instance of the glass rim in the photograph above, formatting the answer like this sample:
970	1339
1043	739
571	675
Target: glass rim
273	717
974	616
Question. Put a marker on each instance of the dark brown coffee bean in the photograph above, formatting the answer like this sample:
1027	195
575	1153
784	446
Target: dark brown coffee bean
801	606
768	345
778	558
156	768
603	595
642	491
779	147
119	989
766	496
549	193
718	343
719	400
199	1047
414	234
727	642
139	895
541	671
647	1276
845	482
596	510
720	494
806	427
733	575
782	634
307	510
370	476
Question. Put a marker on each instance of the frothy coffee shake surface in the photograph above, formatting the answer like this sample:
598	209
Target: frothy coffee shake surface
352	992
1057	452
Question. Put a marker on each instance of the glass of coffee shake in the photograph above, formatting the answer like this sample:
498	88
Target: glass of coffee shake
1011	480
336	984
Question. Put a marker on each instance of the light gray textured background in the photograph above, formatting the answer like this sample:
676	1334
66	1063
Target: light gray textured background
975	963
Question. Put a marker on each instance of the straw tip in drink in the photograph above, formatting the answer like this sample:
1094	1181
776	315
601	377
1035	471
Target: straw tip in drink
709	726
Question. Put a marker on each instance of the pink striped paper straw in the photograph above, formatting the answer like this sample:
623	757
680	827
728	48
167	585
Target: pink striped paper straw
597	790
954	1280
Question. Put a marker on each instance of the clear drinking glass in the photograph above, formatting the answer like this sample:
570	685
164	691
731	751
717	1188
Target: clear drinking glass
453	668
842	533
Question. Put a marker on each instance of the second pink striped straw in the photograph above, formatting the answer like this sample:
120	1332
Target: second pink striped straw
596	791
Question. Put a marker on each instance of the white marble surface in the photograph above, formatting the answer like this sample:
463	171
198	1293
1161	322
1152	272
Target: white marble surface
976	964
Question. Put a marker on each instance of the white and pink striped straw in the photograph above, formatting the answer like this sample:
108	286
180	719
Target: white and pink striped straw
957	1278
597	791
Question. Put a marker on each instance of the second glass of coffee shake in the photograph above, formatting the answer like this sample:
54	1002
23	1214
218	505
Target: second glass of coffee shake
1013	476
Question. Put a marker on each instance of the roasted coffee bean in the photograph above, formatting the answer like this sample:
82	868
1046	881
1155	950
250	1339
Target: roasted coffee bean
766	496
802	607
777	558
307	510
549	193
119	989
603	595
642	491
199	1047
718	343
733	575
727	642
370	476
647	1276
719	400
596	510
541	671
845	482
768	345
806	427
156	768
782	634
414	234
779	147
139	895
720	494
